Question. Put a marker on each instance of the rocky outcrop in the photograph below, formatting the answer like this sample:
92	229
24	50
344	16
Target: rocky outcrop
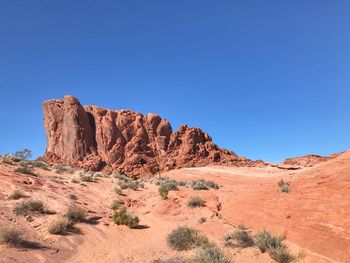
95	138
307	160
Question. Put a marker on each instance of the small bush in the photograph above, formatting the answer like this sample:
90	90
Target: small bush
118	191
281	255
10	237
73	197
203	185
165	180
17	194
163	191
120	176
25	170
170	260
202	220
29	206
59	226
210	253
98	174
61	168
116	204
185	238
166	186
211	184
123	217
274	245
240	238
195	201
40	164
284	187
265	241
130	184
87	178
75	214
9	159
198	185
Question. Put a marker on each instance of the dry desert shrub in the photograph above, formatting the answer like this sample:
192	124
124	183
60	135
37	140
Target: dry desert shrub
210	253
32	206
116	204
11	237
59	226
239	238
185	238
195	201
124	217
61	168
274	246
203	185
17	194
284	187
75	214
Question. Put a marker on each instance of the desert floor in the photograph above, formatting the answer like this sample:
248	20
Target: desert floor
314	217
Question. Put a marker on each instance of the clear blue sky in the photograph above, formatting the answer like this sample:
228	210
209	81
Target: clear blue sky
267	79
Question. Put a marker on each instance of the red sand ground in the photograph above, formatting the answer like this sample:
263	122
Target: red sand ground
314	217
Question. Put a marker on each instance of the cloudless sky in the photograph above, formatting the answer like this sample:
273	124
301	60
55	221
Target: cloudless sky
266	79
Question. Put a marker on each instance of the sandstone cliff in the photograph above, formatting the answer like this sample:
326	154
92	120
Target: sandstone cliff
95	138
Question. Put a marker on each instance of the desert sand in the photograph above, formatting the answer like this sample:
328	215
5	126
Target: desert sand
314	216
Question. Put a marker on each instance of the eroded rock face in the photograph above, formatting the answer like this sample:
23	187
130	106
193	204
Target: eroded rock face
307	160
95	138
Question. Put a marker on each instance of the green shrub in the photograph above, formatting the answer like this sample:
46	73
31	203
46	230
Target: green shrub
203	185
284	187
195	201
17	194
10	237
123	217
29	206
185	238
59	226
166	186
116	204
239	238
75	214
163	191
210	253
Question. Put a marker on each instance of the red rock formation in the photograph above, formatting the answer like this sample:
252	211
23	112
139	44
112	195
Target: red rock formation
95	138
307	160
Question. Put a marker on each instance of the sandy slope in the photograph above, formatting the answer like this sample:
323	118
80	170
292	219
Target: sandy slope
314	216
